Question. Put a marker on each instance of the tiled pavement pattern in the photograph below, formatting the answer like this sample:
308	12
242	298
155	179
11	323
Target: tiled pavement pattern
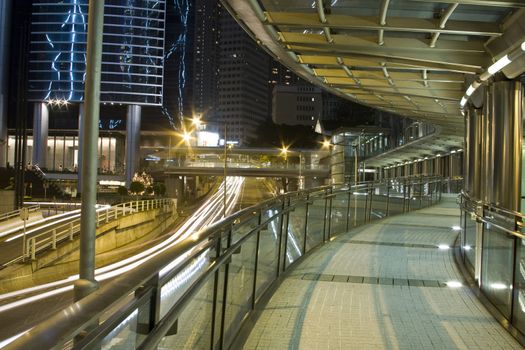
345	295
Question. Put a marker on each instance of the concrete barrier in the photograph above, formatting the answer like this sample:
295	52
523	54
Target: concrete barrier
112	236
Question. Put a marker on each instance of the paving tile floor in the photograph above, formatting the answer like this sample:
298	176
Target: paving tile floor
341	297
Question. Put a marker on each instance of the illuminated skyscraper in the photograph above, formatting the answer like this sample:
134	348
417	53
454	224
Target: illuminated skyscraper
132	59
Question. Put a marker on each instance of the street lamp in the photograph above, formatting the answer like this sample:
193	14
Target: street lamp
301	180
196	120
284	153
186	136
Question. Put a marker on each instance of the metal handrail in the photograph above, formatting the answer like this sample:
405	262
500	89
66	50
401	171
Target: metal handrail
145	283
15	213
492	206
468	204
49	238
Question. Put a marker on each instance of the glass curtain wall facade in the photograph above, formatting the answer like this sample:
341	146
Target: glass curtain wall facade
132	59
62	152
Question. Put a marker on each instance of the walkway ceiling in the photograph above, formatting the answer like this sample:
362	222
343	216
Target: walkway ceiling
409	57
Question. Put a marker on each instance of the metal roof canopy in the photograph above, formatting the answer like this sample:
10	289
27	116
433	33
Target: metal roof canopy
408	57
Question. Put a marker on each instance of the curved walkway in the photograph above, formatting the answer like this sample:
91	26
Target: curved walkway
381	286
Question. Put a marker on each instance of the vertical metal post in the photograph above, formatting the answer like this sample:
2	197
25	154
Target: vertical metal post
256	263
348	209
225	290
420	193
387	199
306	223
330	213
86	282
24	237
365	211
325	212
225	169
215	291
285	233
279	248
54	240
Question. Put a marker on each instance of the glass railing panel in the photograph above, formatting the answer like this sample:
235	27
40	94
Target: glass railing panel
396	200
219	303
316	220
268	250
339	211
243	226
295	232
469	246
124	336
193	327
379	202
497	266
358	207
240	287
174	288
519	288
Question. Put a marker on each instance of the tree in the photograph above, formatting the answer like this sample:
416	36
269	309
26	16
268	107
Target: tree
136	187
160	189
122	191
149	190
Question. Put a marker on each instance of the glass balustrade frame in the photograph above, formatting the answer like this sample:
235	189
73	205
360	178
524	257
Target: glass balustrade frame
219	275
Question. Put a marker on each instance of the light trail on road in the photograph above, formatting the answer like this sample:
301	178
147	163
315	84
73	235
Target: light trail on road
206	214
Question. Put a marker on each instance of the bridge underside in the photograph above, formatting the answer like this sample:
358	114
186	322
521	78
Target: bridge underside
414	58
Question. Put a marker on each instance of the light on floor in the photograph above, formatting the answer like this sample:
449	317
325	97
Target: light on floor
467	247
453	284
443	247
498	286
456	228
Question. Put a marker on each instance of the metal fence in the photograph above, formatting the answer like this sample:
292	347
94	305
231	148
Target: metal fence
493	251
198	293
16	213
49	238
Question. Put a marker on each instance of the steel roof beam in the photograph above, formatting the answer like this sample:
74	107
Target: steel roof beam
416	25
497	3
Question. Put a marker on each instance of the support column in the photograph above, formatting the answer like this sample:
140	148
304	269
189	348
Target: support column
507	132
80	142
473	166
40	132
132	141
88	220
5	34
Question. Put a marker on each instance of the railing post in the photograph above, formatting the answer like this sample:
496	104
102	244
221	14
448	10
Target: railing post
387	199
409	196
280	238
54	239
107	215
325	213
404	195
285	233
306	222
256	263
33	250
429	184
71	231
420	193
371	191
225	289
348	209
